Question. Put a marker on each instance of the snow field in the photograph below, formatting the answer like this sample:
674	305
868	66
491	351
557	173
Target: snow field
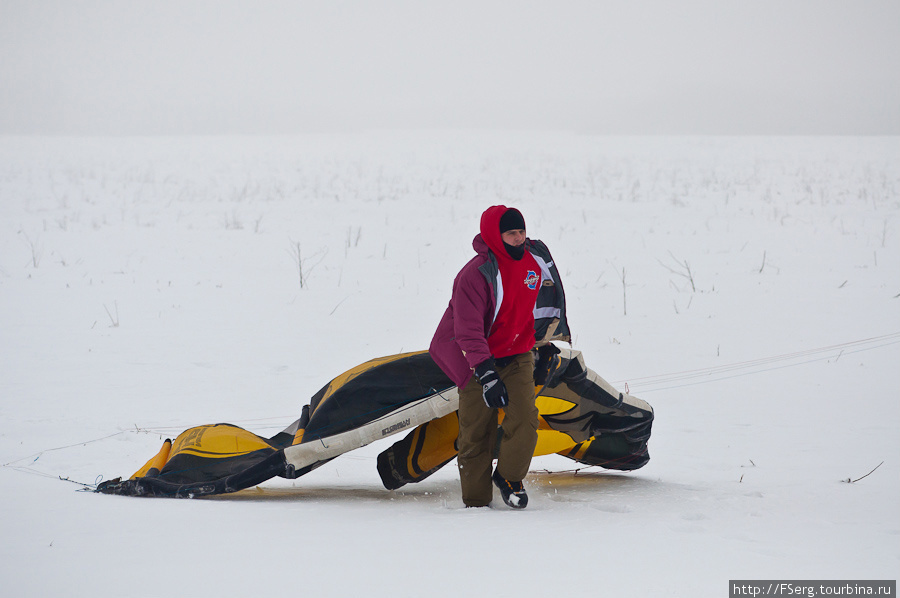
149	285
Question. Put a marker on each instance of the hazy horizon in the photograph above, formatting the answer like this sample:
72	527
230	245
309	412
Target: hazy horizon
642	68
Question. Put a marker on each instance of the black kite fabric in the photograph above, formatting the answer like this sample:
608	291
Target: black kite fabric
582	417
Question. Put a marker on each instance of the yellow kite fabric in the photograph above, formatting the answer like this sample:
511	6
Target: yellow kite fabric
582	417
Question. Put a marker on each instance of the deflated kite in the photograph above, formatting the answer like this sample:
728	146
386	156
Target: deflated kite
582	417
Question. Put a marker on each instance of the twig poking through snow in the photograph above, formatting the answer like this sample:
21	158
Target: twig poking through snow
849	481
687	270
36	251
624	298
338	305
114	320
303	270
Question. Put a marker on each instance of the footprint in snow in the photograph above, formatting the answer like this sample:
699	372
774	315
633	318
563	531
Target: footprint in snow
613	508
694	517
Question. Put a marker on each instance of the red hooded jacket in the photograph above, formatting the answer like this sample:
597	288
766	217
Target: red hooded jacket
488	318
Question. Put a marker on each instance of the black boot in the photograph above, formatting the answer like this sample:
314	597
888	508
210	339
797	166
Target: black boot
513	493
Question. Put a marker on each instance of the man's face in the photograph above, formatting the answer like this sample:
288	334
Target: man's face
514	237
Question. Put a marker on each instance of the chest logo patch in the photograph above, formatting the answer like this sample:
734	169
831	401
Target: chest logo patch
532	279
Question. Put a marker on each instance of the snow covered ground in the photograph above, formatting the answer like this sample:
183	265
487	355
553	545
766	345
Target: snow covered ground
746	287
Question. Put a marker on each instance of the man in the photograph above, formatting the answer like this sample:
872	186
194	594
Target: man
506	300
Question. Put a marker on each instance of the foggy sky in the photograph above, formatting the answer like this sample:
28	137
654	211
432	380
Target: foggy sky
629	67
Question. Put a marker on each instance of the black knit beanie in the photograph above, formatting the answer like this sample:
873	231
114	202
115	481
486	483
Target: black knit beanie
511	220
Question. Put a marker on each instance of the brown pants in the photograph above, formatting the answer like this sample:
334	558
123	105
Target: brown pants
478	432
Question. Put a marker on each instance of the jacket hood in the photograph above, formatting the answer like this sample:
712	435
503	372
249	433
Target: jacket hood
490	231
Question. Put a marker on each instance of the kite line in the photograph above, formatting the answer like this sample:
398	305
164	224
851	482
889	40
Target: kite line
646	384
757	366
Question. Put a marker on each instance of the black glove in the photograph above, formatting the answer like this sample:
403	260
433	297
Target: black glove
547	362
493	389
